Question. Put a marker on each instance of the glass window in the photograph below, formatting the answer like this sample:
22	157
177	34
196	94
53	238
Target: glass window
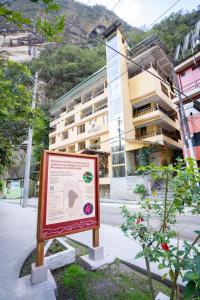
81	146
65	135
117	146
118	158
81	129
53	140
196	139
119	171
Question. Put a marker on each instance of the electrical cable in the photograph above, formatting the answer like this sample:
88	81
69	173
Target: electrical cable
163	14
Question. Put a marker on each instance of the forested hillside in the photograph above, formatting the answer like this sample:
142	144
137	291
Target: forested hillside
78	55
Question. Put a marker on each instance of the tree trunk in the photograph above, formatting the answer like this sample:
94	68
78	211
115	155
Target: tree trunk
174	285
149	277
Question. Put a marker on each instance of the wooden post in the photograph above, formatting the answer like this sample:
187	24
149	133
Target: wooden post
95	237
40	253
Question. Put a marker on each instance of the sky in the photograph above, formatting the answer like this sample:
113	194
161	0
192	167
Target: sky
144	12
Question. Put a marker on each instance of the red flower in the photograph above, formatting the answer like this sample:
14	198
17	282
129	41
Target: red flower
139	220
165	246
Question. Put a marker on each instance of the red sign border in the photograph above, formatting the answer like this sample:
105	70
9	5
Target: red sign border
44	231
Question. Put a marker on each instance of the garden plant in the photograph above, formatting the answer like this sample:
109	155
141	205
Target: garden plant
161	243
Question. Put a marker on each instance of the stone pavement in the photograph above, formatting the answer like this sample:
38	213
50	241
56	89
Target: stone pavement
17	240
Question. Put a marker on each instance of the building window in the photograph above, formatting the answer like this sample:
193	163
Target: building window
53	140
119	171
63	109
182	73
71	148
196	139
95	144
118	158
8	184
80	128
81	146
65	135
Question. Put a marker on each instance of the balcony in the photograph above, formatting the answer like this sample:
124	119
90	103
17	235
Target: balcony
160	136
86	112
155	115
69	120
100	105
144	89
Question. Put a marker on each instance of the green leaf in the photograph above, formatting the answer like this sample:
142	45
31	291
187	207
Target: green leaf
171	274
197	231
180	252
161	266
164	276
191	276
139	254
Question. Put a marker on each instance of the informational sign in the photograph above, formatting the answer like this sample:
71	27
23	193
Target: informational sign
69	200
14	185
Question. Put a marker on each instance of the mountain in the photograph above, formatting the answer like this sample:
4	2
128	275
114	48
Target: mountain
88	17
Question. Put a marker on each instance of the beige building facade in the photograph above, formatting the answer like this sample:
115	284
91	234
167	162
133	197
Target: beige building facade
119	110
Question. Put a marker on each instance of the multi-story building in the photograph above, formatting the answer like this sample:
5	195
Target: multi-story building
188	75
118	111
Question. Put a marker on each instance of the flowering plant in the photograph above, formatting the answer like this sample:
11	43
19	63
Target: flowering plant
158	240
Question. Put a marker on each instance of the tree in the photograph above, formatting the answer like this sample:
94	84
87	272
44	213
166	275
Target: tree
157	243
65	67
15	108
51	30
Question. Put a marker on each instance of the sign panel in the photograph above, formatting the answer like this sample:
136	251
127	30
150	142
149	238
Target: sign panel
14	184
69	200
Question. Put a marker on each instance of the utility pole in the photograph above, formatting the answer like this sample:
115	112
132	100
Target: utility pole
119	132
184	122
29	148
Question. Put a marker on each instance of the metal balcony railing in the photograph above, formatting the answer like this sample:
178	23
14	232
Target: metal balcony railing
86	114
151	109
156	132
101	107
191	86
148	134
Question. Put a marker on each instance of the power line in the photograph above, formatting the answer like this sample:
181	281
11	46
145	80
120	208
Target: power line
129	59
163	13
115	5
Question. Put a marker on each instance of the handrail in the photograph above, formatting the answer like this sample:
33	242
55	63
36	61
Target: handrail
151	109
194	84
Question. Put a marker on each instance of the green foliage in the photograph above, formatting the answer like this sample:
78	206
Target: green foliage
140	190
183	178
50	29
15	108
40	133
74	278
65	67
143	156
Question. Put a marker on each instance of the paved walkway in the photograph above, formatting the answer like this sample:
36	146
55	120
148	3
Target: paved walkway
116	243
17	240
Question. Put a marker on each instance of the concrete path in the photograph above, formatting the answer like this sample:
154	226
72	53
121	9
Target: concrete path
116	243
17	240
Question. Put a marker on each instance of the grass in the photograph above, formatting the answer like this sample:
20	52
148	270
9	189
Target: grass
115	282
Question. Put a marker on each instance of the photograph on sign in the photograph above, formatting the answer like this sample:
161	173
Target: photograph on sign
69	194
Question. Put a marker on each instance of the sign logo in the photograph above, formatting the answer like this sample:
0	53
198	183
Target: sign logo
88	208
87	177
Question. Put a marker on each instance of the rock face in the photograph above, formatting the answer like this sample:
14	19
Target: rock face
90	18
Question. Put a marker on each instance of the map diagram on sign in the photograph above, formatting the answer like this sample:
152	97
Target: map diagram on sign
71	192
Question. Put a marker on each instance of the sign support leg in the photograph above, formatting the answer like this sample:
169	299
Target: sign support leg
95	237
40	254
